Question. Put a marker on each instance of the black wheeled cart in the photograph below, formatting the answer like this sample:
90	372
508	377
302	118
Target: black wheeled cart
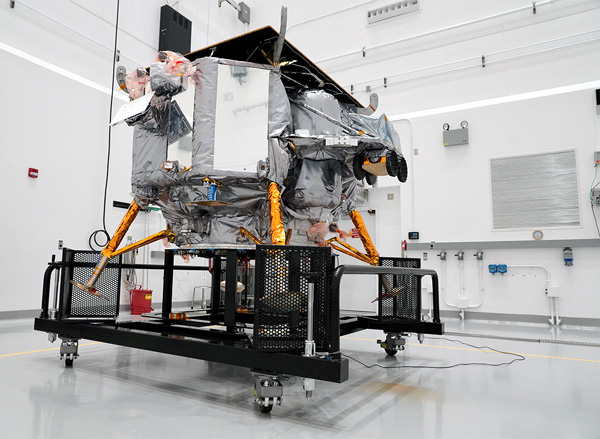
285	323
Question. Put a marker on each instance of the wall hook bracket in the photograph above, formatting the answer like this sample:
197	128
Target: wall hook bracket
534	8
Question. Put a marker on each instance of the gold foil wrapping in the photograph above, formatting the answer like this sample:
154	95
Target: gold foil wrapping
114	242
110	250
250	236
359	224
347	249
277	230
149	240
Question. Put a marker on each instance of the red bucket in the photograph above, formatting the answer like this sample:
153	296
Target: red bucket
141	301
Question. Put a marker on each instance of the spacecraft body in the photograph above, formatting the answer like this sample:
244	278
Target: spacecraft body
264	157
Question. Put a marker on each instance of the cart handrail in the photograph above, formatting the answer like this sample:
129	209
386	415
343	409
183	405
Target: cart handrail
46	287
340	271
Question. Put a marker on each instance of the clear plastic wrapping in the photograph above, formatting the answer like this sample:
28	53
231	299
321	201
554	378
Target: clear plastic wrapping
136	82
378	127
312	124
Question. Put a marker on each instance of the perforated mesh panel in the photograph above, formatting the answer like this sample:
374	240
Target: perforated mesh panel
280	318
76	303
399	295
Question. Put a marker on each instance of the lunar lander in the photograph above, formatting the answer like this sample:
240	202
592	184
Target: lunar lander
277	151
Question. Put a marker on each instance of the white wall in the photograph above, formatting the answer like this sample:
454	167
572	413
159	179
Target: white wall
452	184
452	201
59	125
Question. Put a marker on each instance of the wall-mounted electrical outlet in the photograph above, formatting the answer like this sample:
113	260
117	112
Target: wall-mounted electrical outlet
568	256
596	195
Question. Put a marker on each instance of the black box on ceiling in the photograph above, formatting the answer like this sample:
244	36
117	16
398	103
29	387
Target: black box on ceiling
175	32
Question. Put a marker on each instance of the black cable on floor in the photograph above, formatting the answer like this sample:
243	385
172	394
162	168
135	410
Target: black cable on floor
525	340
507	363
103	231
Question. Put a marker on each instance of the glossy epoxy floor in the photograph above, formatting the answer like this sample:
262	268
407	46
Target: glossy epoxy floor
121	392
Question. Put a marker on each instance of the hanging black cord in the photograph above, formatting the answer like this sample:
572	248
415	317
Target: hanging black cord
94	236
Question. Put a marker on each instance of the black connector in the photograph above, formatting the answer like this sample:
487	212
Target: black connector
120	204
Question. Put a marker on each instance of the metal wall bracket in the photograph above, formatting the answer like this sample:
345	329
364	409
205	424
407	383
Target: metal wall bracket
244	13
384	82
482	60
534	8
242	8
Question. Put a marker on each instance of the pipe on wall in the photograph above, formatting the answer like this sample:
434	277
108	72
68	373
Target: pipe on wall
476	61
441	30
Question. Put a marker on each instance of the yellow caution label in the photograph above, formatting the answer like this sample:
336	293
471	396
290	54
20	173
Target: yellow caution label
148	296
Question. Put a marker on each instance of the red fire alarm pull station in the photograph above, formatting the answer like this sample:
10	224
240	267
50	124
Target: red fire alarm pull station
33	173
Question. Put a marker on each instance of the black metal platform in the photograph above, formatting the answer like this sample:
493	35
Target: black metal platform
202	344
225	335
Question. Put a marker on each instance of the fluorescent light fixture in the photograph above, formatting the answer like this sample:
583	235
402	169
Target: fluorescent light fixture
61	71
500	100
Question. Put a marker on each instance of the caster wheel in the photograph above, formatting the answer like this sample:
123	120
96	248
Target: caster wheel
391	352
265	408
69	362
